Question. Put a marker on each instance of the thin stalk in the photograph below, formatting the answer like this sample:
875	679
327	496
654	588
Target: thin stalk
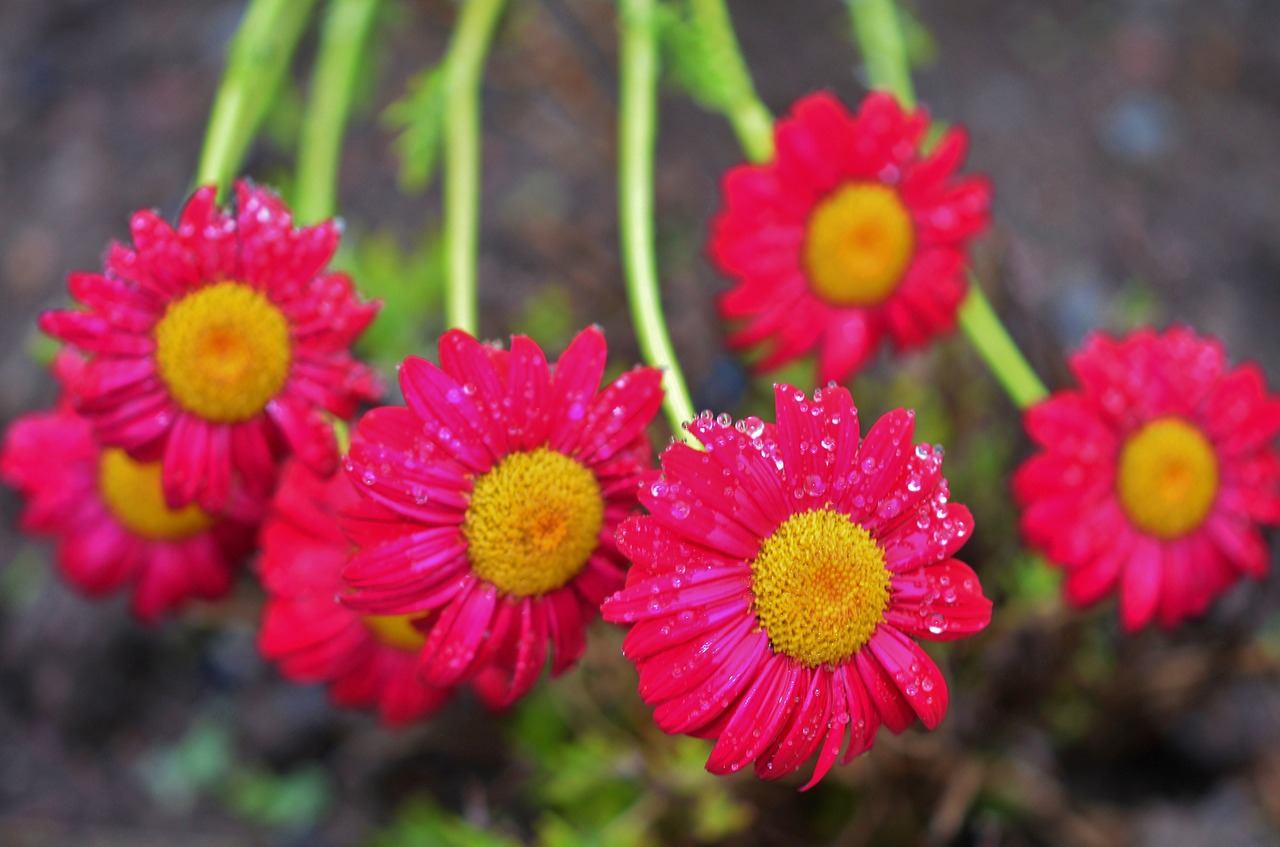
638	59
879	34
884	50
989	337
751	120
256	62
342	47
472	35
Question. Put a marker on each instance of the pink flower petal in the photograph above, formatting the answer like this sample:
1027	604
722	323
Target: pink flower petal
913	673
940	602
574	382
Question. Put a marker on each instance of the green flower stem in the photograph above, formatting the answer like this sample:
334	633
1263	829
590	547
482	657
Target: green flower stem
256	62
980	324
879	34
751	119
472	35
638	58
342	41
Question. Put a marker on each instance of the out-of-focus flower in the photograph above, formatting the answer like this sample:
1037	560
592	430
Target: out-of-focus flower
1154	474
366	660
849	234
778	584
108	515
489	505
218	346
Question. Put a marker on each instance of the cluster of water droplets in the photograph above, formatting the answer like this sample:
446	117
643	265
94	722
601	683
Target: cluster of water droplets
916	684
333	307
408	473
611	417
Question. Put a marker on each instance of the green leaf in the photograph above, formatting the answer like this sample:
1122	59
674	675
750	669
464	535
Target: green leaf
419	117
691	59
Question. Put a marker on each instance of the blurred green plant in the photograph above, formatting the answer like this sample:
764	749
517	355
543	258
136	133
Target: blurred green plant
548	317
295	799
421	822
195	764
410	284
202	763
25	577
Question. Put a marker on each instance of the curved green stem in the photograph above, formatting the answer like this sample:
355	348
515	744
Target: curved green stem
256	62
883	48
461	178
751	119
638	58
992	341
346	29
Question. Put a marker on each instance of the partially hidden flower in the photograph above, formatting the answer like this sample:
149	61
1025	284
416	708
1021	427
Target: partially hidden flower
218	346
849	235
366	660
779	582
1154	474
489	504
108	516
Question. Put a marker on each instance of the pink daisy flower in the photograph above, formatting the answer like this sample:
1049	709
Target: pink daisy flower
218	346
777	586
366	660
108	515
849	235
489	505
1154	475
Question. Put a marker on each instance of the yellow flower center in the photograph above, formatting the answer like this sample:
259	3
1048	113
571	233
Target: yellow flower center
533	522
1168	477
134	496
396	631
223	351
858	243
821	587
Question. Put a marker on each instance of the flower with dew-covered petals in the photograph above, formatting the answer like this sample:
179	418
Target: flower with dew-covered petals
108	515
489	505
778	583
848	235
219	345
1154	475
366	660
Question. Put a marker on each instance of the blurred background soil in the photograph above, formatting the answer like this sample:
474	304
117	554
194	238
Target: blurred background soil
1135	149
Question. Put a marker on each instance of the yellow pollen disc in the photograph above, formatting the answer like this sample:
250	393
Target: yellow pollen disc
1168	478
857	244
533	522
223	351
820	587
134	496
396	631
